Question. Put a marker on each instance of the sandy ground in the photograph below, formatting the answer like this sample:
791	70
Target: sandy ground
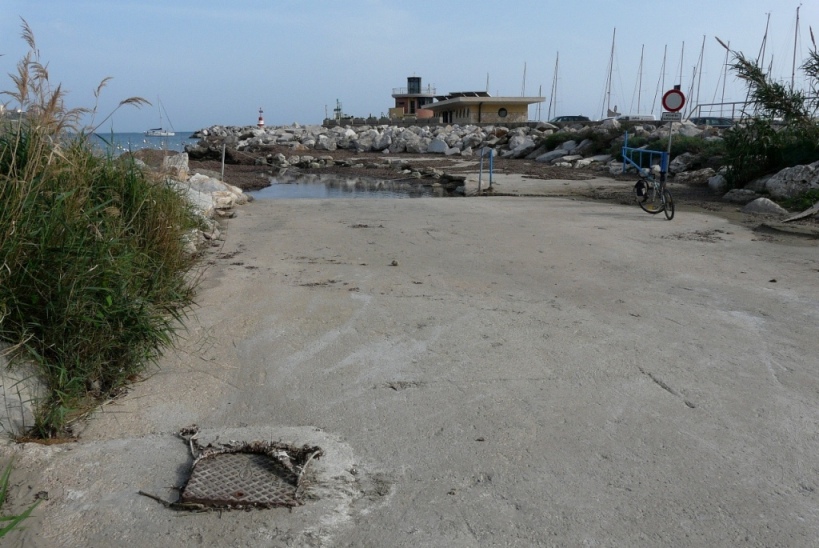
498	371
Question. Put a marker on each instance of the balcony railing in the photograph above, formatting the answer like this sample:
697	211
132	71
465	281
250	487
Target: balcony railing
428	90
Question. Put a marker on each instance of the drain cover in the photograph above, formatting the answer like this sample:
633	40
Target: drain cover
232	479
258	474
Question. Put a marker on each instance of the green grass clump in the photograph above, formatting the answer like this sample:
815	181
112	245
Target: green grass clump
94	277
803	201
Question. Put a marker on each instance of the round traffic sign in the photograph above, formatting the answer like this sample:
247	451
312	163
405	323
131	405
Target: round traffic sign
673	100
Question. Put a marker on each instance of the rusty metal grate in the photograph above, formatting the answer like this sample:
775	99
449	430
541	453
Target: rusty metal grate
241	479
242	475
257	474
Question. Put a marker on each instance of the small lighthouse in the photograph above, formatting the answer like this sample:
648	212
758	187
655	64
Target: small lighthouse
261	119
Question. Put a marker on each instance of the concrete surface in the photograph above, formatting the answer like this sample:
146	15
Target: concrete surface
480	372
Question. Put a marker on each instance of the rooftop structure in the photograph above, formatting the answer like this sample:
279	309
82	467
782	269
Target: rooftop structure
478	107
411	100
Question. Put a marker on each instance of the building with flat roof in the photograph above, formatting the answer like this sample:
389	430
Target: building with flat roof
411	100
478	107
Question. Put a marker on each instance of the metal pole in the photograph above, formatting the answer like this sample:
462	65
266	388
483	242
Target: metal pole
223	162
491	162
666	156
480	171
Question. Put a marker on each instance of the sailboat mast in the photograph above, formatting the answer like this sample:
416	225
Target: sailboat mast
760	59
724	76
523	87
699	69
640	78
661	79
795	39
607	101
553	91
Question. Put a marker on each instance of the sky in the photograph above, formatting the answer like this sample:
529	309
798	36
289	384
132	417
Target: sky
217	62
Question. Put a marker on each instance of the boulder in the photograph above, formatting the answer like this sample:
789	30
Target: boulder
473	140
584	145
718	184
696	177
417	146
794	181
542	149
437	146
610	124
683	162
764	206
382	142
524	147
689	130
571	158
325	143
176	166
550	156
740	196
568	146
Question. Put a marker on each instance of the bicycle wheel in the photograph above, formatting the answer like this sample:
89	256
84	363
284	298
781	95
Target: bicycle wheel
653	201
641	190
669	205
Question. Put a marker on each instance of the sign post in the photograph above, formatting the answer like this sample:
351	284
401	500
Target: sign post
673	102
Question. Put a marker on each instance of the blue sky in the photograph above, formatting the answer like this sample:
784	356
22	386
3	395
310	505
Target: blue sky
216	62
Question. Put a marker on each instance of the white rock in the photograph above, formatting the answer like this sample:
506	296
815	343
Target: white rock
437	146
764	206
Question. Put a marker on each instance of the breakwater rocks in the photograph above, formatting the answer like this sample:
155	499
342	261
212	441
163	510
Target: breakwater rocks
210	198
577	146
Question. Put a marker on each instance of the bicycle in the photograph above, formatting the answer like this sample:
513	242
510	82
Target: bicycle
651	194
653	197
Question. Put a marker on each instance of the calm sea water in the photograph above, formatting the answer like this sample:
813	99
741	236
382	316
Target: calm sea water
321	186
123	142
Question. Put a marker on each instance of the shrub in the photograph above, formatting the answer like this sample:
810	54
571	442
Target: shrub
761	146
94	277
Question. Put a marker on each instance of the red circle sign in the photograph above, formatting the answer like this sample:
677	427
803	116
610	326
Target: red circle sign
673	100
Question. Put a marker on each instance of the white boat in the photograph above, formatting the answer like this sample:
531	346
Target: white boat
160	131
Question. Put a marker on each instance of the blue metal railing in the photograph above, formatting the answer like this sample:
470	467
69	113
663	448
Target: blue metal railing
486	152
628	159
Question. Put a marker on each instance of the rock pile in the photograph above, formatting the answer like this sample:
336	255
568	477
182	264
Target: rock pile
210	198
579	146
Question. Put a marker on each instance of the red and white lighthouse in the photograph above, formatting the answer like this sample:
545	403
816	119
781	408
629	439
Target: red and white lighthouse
261	119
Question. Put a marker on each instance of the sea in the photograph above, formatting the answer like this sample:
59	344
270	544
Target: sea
117	143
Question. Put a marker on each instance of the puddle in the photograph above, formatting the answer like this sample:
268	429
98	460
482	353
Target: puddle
335	186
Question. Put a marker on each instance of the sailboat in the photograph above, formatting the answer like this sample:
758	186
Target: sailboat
160	131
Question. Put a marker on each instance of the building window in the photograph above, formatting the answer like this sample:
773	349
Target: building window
502	113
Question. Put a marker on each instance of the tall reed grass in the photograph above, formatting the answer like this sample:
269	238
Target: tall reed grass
94	278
